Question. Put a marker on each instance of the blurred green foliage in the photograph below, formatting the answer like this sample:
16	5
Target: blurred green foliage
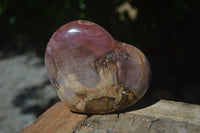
166	30
35	21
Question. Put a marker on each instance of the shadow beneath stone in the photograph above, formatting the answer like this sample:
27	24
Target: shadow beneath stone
37	110
35	99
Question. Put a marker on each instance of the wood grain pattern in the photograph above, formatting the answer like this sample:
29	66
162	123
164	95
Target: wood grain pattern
164	116
57	119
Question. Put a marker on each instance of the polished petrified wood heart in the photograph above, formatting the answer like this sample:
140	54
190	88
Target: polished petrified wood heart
92	72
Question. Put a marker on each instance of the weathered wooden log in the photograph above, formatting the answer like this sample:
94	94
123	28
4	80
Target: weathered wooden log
163	117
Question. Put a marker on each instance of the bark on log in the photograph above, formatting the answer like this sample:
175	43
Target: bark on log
163	117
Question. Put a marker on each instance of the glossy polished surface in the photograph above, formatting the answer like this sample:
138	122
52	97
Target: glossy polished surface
92	72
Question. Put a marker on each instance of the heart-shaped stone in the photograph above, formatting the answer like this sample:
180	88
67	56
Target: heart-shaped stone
92	72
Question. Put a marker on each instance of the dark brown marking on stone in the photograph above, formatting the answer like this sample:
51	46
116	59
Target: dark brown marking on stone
121	56
128	99
55	83
127	90
81	95
100	105
106	64
124	102
117	90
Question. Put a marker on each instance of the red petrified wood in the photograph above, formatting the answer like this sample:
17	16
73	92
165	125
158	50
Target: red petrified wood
92	72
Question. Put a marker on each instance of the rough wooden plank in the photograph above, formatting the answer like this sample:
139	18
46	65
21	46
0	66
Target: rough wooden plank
173	110
131	123
57	119
164	116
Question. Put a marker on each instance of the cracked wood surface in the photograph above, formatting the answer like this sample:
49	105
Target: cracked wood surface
164	116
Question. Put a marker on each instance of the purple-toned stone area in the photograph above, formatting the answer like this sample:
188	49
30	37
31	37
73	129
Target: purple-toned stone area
92	72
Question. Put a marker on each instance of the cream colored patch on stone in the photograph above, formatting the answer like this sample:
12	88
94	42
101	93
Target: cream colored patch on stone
61	95
85	22
72	82
49	51
53	34
81	105
106	86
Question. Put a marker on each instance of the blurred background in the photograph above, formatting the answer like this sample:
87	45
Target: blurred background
167	31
